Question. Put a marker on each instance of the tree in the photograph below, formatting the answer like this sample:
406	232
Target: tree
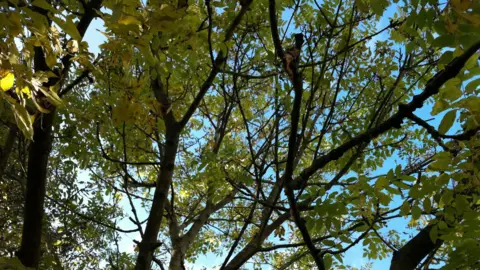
285	132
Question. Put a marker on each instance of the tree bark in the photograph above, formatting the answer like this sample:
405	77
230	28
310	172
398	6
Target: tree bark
164	180
29	253
181	244
252	247
39	152
413	252
178	256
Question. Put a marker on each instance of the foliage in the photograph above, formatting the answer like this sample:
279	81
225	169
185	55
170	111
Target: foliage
205	126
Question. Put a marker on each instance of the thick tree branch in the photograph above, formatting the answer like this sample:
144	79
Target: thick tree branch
412	253
292	142
395	121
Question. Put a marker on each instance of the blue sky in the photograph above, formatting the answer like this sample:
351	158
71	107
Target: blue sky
353	257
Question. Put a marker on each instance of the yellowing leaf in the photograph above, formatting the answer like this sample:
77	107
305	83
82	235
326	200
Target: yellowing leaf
439	106
23	119
24	90
51	60
69	27
461	5
127	20
447	121
14	18
7	81
52	97
72	46
450	26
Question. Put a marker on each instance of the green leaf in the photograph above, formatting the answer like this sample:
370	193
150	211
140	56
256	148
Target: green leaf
381	183
440	106
384	199
43	4
328	261
410	47
416	212
405	209
443	179
398	171
461	203
415	192
361	228
446	58
329	243
447	121
472	86
408	178
52	97
444	41
451	89
446	198
472	61
427	205
433	233
390	175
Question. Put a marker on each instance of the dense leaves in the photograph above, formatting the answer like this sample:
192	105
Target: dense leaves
260	133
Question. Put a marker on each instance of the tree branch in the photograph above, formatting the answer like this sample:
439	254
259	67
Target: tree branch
395	121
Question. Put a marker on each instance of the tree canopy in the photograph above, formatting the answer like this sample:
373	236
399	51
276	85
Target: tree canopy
259	134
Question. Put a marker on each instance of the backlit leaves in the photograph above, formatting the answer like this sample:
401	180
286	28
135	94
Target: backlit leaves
351	84
447	121
6	80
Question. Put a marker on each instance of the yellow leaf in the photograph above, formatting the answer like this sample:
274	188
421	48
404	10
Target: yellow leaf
7	82
24	90
127	20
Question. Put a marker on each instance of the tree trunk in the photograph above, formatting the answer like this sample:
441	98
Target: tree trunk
29	253
413	252
39	152
164	180
255	243
178	257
